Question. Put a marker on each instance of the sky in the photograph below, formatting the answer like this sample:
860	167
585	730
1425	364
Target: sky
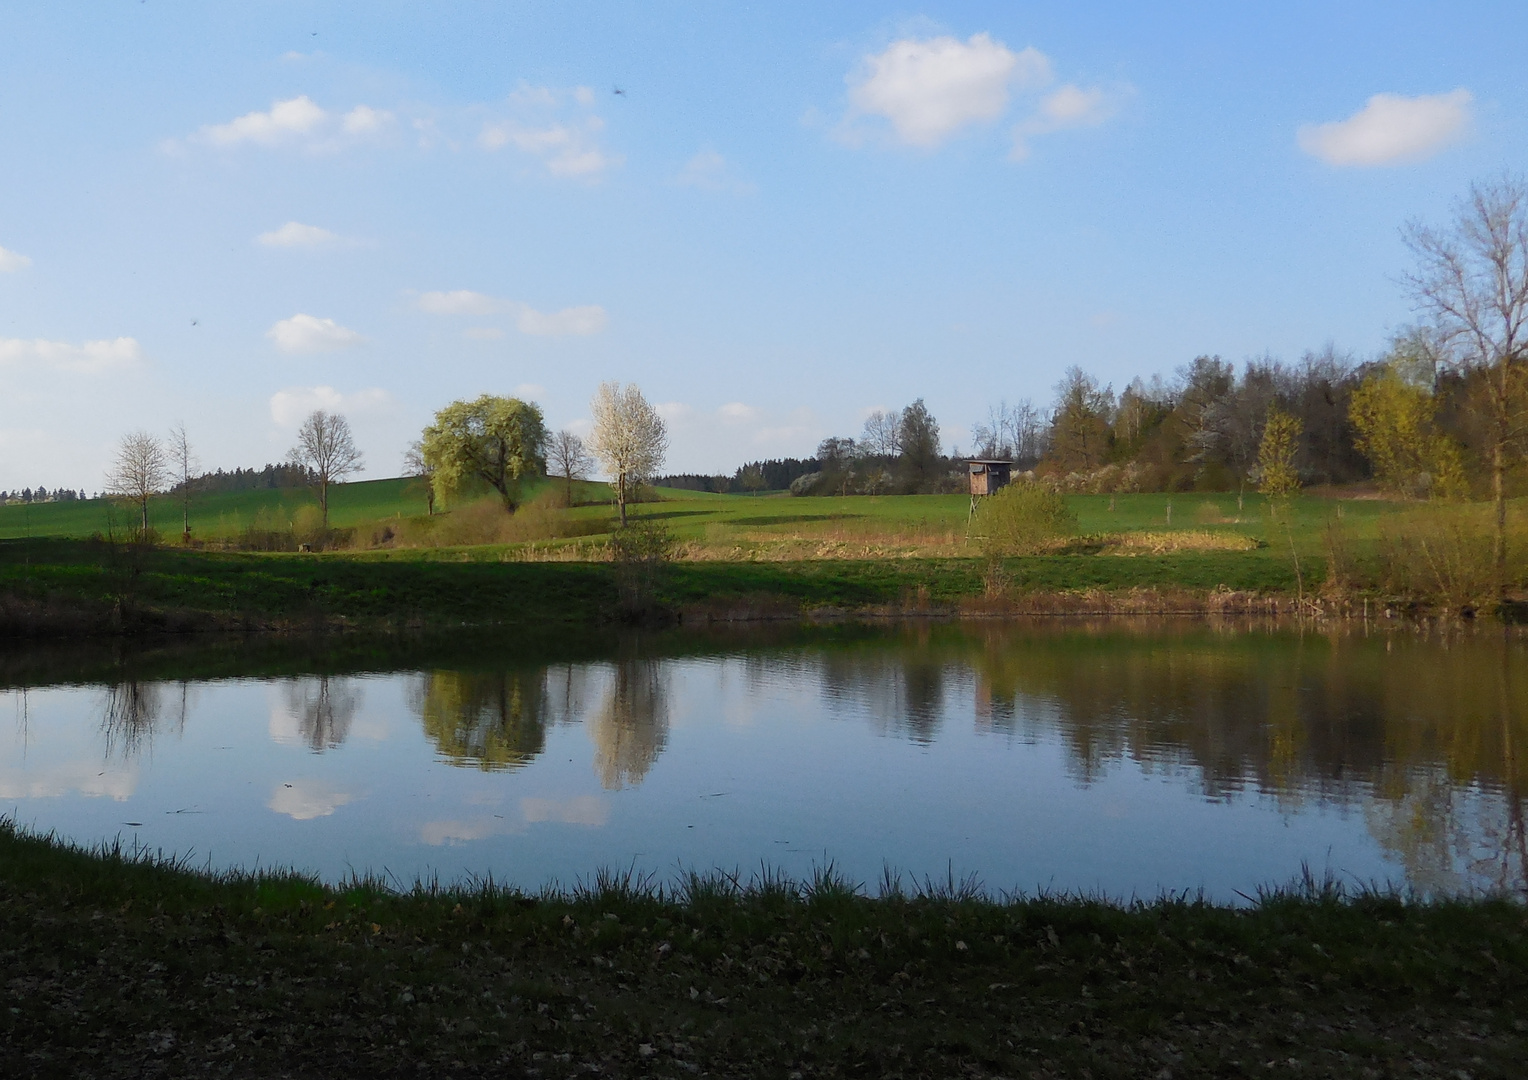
773	218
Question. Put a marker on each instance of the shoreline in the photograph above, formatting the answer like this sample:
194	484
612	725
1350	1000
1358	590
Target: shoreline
128	965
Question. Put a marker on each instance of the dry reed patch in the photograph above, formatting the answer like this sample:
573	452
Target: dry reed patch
838	545
1171	543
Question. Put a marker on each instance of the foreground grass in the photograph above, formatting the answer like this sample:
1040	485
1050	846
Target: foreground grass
121	966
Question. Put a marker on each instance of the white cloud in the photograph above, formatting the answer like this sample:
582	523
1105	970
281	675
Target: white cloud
286	119
736	410
673	411
304	800
1391	129
458	302
929	89
297	121
307	333
577	321
11	261
567	150
567	146
90	357
364	120
709	171
291	406
296	234
1066	107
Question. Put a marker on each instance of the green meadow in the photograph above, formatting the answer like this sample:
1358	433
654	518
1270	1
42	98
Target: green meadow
750	524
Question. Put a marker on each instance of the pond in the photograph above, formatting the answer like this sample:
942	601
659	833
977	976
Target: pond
1116	757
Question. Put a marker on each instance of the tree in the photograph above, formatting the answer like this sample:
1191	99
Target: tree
499	441
1393	415
918	439
1276	454
629	438
415	465
182	461
327	450
139	472
880	435
1080	428
752	478
1471	281
568	457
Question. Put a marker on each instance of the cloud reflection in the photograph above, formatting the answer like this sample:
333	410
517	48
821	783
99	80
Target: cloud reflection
304	800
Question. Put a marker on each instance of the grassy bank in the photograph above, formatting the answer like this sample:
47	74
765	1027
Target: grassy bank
128	967
68	587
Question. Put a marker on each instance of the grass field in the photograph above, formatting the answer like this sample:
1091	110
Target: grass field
767	554
732	526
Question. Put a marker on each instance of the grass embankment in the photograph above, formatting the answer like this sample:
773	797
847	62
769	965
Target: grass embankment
74	587
127	967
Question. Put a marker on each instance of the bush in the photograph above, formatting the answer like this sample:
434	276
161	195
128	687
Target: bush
1022	519
485	521
642	552
1445	553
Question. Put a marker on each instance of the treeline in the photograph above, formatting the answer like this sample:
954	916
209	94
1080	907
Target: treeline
41	495
270	477
776	474
1201	429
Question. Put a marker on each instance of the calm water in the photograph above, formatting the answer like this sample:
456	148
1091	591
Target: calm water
1122	758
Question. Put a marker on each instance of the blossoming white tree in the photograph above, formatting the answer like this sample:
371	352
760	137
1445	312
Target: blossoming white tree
629	438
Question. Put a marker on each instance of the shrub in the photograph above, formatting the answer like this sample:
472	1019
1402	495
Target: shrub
642	551
1444	552
1022	519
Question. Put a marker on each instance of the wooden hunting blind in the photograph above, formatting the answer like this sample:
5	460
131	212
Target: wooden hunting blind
989	477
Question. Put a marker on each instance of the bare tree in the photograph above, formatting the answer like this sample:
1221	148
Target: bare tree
326	448
139	472
629	438
1471	281
182	462
566	456
414	464
880	436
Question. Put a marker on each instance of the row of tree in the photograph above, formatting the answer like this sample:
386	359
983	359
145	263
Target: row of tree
41	495
502	442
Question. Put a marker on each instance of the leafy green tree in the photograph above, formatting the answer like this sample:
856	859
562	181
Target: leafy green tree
1393	417
1276	454
918	439
500	441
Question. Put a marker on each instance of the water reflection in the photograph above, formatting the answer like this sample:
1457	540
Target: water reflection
495	720
1409	738
323	709
630	729
129	715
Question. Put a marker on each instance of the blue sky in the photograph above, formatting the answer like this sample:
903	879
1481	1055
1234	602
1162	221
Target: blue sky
791	215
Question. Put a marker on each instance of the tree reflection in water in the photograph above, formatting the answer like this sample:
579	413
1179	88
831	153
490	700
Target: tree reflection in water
1417	729
1421	728
630	729
129	716
492	719
323	709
